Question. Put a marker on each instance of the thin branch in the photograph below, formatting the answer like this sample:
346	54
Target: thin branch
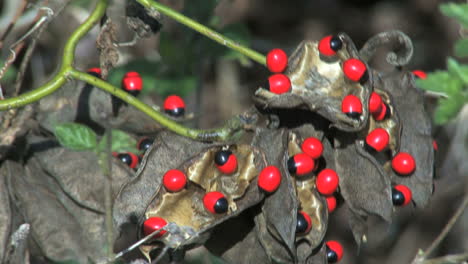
448	259
68	56
40	26
153	5
12	23
232	128
421	257
141	241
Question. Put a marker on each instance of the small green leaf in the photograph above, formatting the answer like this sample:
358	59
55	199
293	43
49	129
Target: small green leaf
458	71
447	109
461	48
434	81
76	136
457	11
121	142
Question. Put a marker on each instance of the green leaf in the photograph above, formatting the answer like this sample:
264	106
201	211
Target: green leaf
461	48
458	71
448	109
76	136
121	142
457	11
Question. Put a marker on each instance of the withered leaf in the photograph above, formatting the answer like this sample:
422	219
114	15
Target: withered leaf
81	179
56	232
144	22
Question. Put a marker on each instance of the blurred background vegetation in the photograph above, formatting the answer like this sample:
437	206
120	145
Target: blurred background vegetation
217	83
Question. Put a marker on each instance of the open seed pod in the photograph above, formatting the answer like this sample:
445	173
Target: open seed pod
319	84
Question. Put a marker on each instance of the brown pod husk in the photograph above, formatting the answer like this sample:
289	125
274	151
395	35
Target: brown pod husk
310	201
276	224
415	137
319	85
185	207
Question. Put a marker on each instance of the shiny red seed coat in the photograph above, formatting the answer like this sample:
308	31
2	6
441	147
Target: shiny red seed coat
420	74
304	164
173	102
331	203
230	166
327	182
378	139
132	81
403	163
379	116
375	103
210	199
434	144
324	46
354	69
351	104
313	147
406	193
279	83
277	60
269	179
174	180
336	247
95	70
153	224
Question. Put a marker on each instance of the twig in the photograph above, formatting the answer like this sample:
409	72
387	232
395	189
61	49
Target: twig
421	257
448	259
12	23
141	241
105	162
151	5
40	26
231	129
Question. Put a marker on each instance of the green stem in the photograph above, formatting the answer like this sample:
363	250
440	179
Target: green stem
204	30
231	129
68	57
221	134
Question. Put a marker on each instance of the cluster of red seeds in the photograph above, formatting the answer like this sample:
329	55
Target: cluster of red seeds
377	140
269	179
